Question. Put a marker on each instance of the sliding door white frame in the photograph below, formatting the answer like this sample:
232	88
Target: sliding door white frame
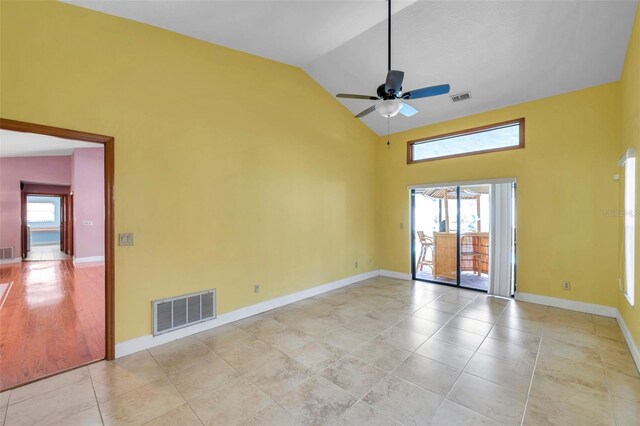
461	183
510	274
501	240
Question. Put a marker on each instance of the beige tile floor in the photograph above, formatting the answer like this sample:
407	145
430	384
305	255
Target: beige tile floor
379	352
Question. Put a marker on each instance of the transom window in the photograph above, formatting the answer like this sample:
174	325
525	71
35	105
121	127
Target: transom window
495	137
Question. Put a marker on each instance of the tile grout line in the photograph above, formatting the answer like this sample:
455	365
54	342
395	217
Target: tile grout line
245	375
390	373
284	354
6	411
609	393
467	363
239	376
403	319
215	389
495	324
446	397
405	300
533	374
95	395
349	353
178	390
141	386
492	356
317	374
387	373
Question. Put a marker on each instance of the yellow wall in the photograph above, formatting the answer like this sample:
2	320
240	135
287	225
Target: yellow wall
231	169
565	187
234	170
631	138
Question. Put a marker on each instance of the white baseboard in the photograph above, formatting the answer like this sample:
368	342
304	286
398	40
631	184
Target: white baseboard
149	341
635	352
9	261
589	308
397	275
88	259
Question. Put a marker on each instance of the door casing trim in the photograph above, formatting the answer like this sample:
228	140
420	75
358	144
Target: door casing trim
109	230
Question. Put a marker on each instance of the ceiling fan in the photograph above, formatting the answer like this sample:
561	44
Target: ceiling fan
390	93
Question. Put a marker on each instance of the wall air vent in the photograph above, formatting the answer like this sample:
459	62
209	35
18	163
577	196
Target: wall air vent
460	97
182	311
6	253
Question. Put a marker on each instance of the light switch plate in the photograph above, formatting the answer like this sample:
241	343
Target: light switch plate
125	239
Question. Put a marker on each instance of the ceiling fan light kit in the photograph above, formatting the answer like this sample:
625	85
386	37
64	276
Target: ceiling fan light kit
390	92
389	108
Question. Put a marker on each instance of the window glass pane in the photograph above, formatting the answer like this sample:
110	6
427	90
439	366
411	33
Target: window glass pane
629	227
40	212
502	137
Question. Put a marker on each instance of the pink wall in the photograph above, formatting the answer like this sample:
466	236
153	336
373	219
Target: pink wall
13	170
87	184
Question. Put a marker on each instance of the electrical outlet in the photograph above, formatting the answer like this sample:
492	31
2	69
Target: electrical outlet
125	239
566	285
256	288
356	264
401	225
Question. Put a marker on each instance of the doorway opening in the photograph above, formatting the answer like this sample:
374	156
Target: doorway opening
57	210
46	226
459	229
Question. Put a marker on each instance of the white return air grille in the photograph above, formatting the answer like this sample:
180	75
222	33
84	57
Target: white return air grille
6	253
181	311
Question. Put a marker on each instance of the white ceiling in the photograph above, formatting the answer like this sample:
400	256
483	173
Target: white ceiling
20	144
503	52
295	32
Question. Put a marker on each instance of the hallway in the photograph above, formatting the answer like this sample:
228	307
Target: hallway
52	319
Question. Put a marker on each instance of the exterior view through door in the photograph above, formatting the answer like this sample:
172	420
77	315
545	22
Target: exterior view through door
464	235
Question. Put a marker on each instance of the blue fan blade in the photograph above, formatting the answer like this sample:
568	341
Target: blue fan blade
427	91
393	83
407	110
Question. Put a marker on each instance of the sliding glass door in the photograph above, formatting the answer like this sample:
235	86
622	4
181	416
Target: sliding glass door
450	230
435	223
473	240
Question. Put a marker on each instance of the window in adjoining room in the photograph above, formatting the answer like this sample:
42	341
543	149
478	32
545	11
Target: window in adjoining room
41	212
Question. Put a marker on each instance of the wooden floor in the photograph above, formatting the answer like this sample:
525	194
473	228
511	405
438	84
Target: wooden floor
52	319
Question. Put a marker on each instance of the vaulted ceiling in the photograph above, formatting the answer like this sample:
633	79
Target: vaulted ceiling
502	52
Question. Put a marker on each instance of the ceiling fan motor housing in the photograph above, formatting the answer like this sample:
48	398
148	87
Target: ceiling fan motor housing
382	93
